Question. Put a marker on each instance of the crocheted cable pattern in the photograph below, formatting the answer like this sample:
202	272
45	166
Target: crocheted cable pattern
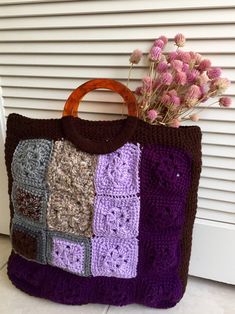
70	180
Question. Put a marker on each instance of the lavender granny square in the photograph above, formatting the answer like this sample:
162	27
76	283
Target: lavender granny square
116	217
114	257
117	173
70	255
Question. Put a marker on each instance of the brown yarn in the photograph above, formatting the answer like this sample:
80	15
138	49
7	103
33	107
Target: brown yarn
24	244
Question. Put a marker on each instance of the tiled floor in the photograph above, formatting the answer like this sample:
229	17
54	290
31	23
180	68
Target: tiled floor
201	297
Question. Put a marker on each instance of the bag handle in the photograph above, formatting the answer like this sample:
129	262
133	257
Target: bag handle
72	103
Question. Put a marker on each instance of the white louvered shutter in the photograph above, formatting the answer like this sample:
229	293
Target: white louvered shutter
48	48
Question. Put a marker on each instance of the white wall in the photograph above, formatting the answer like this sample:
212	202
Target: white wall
48	48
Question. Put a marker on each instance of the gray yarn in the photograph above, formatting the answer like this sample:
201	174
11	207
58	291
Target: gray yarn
30	160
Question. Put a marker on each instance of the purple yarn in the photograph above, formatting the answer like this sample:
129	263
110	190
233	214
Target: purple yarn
53	283
68	255
117	172
116	217
114	257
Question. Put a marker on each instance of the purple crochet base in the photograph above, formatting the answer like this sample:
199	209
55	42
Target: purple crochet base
52	283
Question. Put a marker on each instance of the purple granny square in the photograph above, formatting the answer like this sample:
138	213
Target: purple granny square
164	170
68	255
116	217
114	257
117	172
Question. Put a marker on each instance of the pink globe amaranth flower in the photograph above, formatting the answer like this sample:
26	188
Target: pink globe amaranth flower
164	39
166	78
194	117
159	43
172	56
185	67
155	53
165	99
192	75
180	78
139	90
204	65
219	85
175	123
195	57
152	114
184	56
194	92
147	83
177	65
162	67
225	101
204	89
202	78
179	40
175	100
214	73
192	95
136	56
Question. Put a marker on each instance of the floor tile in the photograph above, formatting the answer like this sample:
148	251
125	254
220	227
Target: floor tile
202	296
5	248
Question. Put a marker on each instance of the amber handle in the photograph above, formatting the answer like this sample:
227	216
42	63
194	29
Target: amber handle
72	103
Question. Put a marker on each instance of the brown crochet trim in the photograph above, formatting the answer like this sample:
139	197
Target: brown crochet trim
74	128
186	137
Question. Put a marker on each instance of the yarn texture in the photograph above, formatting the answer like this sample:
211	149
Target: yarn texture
101	211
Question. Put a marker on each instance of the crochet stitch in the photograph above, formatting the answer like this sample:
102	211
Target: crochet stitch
116	217
70	180
69	253
114	257
96	221
29	202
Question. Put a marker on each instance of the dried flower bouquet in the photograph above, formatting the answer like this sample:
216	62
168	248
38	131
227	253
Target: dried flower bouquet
177	83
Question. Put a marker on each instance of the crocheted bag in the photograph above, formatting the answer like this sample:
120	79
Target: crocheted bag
101	211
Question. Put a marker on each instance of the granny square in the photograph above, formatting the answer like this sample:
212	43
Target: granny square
165	169
29	202
117	173
116	217
28	240
159	253
30	161
71	170
70	180
69	253
161	213
114	257
70	213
